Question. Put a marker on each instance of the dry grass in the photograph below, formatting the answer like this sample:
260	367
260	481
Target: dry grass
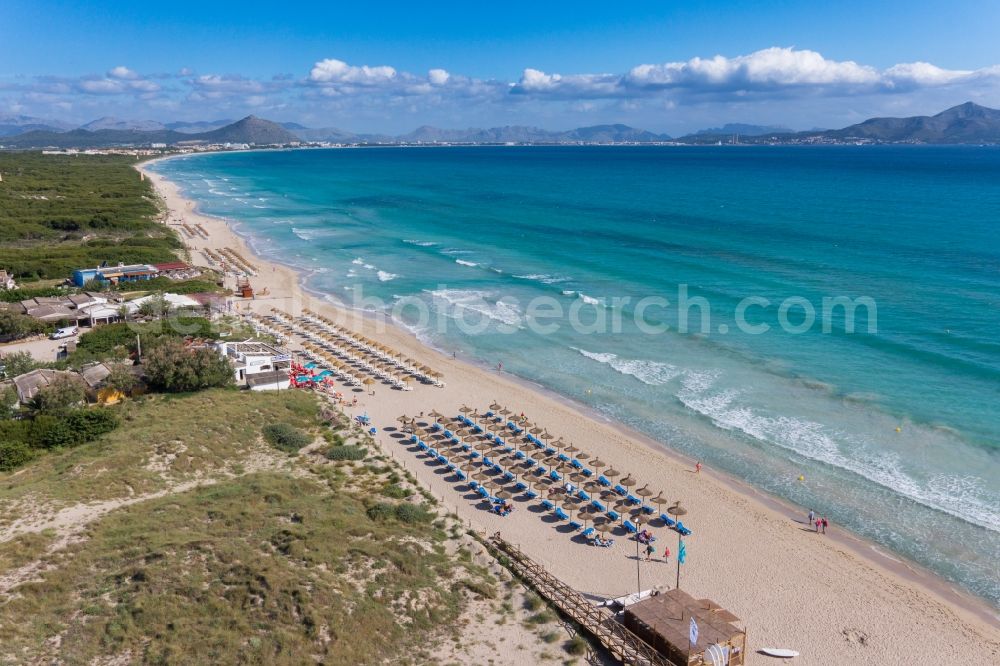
281	566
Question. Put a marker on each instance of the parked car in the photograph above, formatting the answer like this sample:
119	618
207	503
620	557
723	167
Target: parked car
66	332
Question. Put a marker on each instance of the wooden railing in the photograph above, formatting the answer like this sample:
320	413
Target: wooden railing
599	621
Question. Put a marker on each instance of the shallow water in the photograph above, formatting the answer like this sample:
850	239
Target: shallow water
477	235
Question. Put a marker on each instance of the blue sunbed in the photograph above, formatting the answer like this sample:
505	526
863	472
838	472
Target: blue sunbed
561	514
582	494
482	492
548	504
621	490
530	494
597	505
630	527
649	510
613	515
508	476
667	520
520	485
588	533
632	499
575	525
460	474
603	481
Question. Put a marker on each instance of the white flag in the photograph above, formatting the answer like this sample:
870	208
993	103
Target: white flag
693	632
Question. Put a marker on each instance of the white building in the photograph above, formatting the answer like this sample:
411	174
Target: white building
258	365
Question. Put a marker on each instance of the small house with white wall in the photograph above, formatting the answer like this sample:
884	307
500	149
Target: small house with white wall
260	366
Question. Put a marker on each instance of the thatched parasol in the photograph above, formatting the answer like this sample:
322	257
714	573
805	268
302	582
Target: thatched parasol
628	481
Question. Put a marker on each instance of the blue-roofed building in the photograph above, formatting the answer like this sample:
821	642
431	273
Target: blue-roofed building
114	274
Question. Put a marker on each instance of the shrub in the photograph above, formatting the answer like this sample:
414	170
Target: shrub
577	645
171	367
63	393
346	453
13	455
382	511
13	325
18	363
412	513
285	437
396	491
404	513
77	427
121	378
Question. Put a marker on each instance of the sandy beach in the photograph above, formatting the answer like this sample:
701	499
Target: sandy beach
834	598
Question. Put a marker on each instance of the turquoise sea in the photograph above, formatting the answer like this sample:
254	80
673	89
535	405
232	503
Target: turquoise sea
895	426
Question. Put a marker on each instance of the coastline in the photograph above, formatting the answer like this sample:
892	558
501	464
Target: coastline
836	596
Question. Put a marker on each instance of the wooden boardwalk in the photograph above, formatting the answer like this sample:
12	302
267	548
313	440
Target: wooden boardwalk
599	621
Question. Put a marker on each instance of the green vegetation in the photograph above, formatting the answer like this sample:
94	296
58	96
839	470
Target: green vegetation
62	212
286	437
346	453
14	326
405	513
26	293
172	367
21	440
577	645
267	567
193	286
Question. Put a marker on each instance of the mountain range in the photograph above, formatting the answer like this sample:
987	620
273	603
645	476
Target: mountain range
109	132
965	123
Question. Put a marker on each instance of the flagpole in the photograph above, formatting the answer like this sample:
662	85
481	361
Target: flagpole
678	584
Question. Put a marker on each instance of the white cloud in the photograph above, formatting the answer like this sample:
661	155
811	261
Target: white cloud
332	70
923	74
438	77
102	86
122	72
768	68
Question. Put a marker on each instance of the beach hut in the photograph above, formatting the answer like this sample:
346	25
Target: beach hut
664	620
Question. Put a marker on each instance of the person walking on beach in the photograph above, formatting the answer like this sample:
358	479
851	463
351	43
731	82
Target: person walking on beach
812	517
825	523
697	467
650	551
819	523
500	366
666	554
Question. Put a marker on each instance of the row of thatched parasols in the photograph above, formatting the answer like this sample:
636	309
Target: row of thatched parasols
544	485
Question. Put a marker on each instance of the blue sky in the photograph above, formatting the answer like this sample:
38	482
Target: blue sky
667	65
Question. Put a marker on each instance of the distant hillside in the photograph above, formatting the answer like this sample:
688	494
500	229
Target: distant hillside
965	123
962	124
745	130
524	134
80	138
11	125
332	134
198	126
250	130
111	123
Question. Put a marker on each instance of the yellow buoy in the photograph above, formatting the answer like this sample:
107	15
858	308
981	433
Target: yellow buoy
899	429
801	478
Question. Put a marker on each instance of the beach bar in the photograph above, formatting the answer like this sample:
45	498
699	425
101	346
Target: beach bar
664	621
114	274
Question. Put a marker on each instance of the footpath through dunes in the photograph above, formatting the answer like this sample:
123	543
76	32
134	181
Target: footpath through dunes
185	537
